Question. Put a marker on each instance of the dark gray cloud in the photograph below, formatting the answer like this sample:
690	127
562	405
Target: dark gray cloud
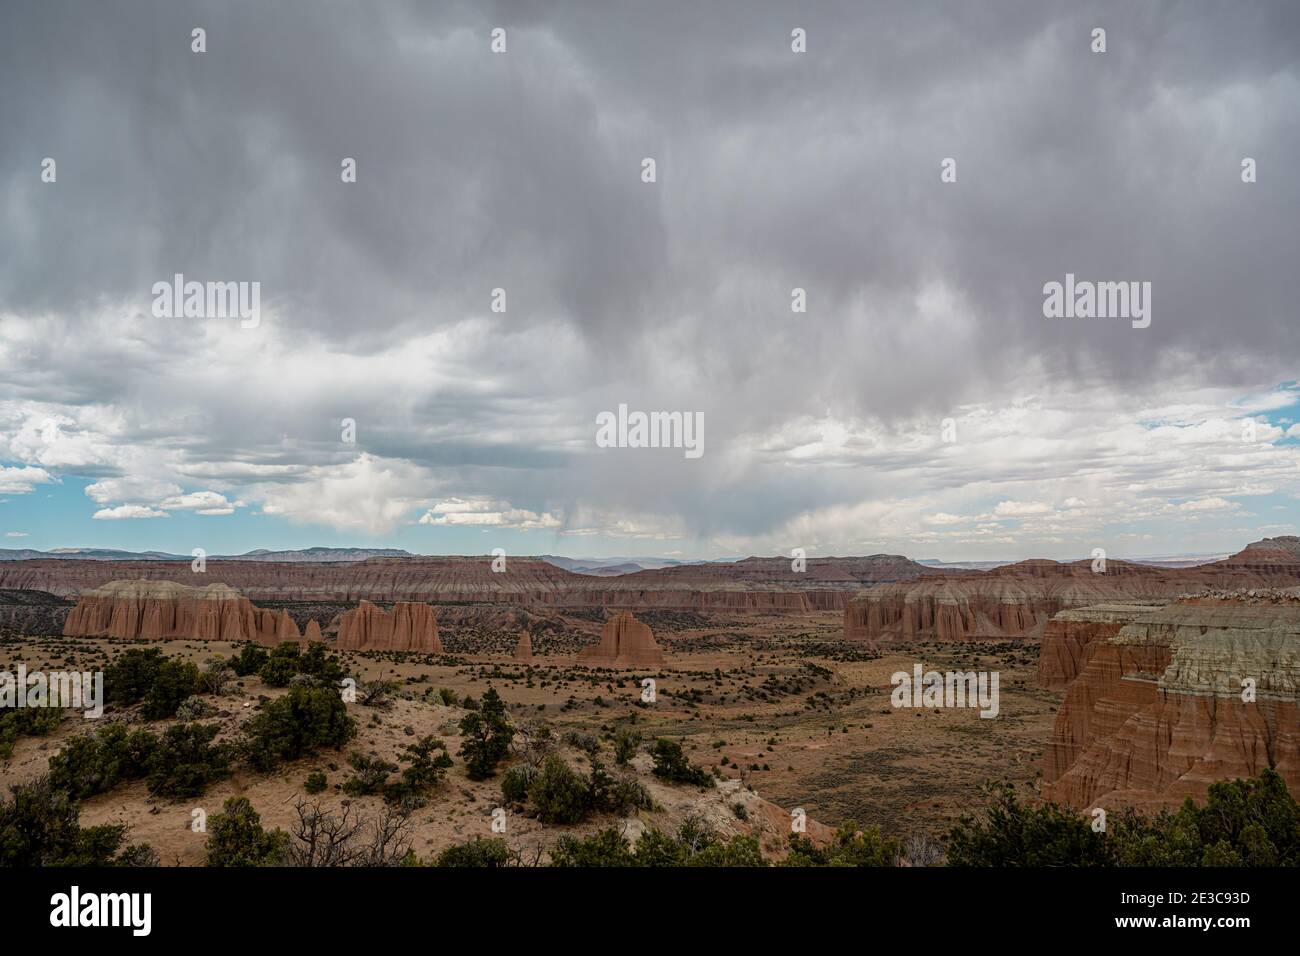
522	171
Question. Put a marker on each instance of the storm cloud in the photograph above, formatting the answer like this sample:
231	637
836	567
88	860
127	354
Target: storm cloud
775	170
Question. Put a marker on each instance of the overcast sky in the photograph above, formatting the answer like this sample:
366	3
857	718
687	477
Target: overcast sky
522	170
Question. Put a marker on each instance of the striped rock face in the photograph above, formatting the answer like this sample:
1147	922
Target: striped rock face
408	627
1200	690
624	642
165	610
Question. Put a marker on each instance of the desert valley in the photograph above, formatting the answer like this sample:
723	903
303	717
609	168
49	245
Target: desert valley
1118	688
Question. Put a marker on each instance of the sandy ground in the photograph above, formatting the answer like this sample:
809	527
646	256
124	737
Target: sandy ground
792	715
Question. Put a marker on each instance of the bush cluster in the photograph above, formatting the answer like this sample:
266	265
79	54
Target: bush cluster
1253	822
163	683
560	795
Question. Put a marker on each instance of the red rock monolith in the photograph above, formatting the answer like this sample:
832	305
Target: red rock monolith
166	610
624	642
408	627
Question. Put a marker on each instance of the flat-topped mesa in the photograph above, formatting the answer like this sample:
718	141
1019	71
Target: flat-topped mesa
1014	601
1180	696
754	584
1072	635
408	627
624	642
524	649
166	610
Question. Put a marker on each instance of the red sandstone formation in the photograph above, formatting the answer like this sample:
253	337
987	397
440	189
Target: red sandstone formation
906	599
524	649
312	632
753	584
1157	713
1017	600
624	642
164	610
1070	638
409	627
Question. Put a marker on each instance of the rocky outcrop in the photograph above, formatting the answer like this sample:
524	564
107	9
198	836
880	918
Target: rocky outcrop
1014	601
408	627
624	642
165	610
524	649
312	631
1071	636
904	597
1157	713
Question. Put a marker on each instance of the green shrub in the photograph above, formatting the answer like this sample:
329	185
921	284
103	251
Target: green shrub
626	744
194	708
656	848
250	660
316	782
129	677
1013	834
606	847
180	763
619	795
1253	822
40	826
371	775
162	683
695	844
486	734
98	762
739	851
850	847
296	724
236	837
184	761
478	852
671	764
172	684
515	783
281	666
324	667
426	766
558	793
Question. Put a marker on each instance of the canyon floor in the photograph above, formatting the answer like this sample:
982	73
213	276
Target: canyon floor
793	716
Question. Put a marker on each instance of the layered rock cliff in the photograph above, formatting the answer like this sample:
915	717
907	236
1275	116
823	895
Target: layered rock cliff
1071	636
164	610
752	584
408	627
624	642
1157	713
1014	601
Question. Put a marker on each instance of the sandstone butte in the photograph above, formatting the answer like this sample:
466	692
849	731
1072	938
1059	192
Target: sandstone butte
408	627
1018	600
624	642
1154	710
524	649
162	610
